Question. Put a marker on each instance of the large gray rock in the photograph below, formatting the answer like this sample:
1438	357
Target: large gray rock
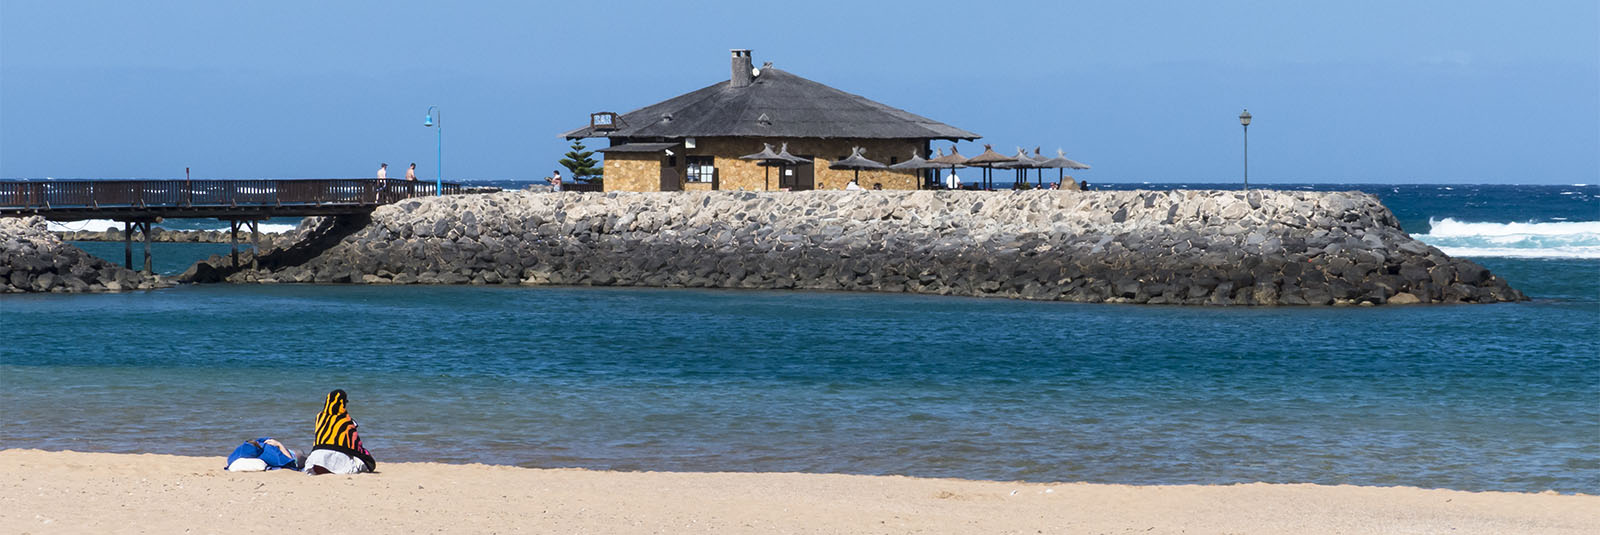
33	259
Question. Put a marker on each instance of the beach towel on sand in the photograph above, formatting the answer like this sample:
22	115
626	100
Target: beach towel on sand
273	454
336	430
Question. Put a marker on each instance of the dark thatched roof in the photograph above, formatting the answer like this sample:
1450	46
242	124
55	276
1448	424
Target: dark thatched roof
777	104
638	147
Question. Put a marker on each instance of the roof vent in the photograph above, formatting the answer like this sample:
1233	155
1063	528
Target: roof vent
666	117
763	120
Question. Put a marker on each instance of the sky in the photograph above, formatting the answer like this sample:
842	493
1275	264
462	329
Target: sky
1387	92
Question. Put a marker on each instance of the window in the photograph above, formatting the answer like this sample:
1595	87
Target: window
700	169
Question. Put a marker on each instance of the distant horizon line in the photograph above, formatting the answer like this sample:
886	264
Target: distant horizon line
1206	181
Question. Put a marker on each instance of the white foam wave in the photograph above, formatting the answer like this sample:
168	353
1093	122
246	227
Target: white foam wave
1512	252
1449	227
99	225
96	225
1555	239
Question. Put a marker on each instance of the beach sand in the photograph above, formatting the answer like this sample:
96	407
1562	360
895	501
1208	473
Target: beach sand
70	492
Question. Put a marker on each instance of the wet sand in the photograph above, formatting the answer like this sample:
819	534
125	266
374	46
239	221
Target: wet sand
70	492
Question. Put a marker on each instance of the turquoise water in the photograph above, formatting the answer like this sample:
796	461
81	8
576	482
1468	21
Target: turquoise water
1470	397
165	258
1495	397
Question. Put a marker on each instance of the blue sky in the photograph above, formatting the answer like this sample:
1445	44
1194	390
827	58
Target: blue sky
1457	91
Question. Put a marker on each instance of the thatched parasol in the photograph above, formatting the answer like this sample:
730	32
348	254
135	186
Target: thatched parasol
767	159
951	161
987	161
1061	162
796	160
915	163
1021	163
857	161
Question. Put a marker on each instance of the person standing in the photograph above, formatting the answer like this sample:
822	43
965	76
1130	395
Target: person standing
383	171
555	180
411	173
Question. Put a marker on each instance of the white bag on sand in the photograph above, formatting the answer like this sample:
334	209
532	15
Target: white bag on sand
248	465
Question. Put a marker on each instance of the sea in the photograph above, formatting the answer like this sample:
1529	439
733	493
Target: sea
1501	397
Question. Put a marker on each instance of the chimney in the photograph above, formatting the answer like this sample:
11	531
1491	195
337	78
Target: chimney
741	69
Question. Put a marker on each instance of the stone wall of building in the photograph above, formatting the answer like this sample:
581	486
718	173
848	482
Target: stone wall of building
735	174
632	171
642	171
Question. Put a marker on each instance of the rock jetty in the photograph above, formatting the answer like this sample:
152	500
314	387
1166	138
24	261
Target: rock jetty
1156	247
157	234
33	259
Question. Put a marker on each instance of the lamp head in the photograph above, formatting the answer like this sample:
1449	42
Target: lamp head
428	121
1244	118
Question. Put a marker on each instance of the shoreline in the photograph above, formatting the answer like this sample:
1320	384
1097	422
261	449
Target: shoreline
48	491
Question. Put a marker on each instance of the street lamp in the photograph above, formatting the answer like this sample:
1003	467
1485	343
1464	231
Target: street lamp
1244	120
435	120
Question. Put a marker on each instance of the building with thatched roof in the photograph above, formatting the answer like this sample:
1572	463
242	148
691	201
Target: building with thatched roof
694	141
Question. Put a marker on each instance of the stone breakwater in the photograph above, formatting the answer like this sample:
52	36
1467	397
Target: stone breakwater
1157	247
33	259
267	239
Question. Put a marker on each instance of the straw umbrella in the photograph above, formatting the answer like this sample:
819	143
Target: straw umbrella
767	159
1061	162
1021	163
857	161
916	163
796	160
987	161
951	161
783	152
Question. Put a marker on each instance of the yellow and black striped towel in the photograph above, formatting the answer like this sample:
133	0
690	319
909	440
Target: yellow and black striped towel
336	430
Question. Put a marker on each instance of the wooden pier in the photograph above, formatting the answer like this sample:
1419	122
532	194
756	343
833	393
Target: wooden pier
138	204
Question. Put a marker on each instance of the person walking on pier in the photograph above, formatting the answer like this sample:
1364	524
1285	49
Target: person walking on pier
383	171
411	173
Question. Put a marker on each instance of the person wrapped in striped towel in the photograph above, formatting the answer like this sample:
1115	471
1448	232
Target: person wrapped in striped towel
338	448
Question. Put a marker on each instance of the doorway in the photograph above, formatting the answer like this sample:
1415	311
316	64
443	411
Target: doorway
670	175
799	177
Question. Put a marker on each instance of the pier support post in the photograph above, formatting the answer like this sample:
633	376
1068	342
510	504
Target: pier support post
145	228
127	244
233	239
255	244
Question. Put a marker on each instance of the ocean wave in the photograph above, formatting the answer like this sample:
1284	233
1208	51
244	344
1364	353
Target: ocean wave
1555	239
99	225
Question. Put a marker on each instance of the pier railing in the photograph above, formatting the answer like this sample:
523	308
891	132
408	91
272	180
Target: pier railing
26	196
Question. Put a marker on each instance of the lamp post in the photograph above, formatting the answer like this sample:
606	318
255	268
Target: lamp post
436	121
1244	120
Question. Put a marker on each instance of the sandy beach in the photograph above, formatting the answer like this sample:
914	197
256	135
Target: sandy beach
72	492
